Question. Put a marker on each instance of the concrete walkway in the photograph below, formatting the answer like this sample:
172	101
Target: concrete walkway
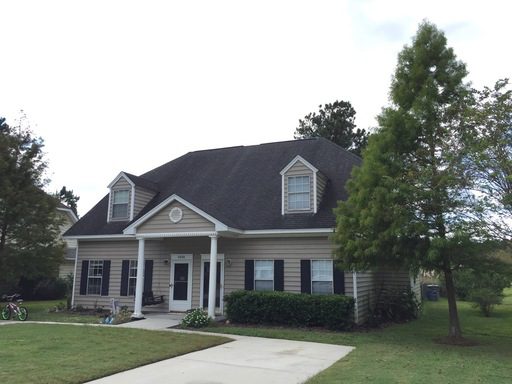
246	359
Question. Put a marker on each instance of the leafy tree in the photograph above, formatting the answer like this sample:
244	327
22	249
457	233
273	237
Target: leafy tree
489	151
29	224
335	122
408	201
69	198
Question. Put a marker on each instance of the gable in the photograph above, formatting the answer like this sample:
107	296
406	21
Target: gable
160	222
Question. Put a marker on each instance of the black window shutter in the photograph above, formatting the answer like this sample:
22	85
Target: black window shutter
148	276
83	277
305	276
249	275
105	281
125	270
278	275
338	278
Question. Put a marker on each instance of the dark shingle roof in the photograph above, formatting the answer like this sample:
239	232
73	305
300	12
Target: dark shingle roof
239	186
142	182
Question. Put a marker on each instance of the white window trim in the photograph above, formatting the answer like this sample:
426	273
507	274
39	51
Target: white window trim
332	274
128	204
95	277
131	205
308	192
273	273
130	277
315	192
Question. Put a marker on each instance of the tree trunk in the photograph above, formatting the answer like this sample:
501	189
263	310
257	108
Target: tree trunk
454	327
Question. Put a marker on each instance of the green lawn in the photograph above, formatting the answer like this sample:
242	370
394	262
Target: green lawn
38	311
407	353
46	353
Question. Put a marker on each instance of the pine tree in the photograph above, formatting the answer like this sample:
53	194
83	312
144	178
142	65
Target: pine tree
407	202
29	225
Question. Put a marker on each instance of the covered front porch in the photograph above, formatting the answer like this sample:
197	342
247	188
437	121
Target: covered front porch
189	263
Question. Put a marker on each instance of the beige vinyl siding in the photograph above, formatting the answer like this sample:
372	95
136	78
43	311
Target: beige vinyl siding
366	286
191	222
66	268
299	169
142	197
291	250
116	252
122	184
321	183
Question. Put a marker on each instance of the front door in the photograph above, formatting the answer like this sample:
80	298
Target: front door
205	282
180	291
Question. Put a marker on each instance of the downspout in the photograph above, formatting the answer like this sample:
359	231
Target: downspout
74	277
356	305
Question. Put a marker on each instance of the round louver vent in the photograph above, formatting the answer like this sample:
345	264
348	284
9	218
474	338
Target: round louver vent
176	215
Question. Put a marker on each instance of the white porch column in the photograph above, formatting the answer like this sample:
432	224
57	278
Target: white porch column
213	276
139	288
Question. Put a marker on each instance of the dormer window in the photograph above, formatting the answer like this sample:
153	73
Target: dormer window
120	201
302	187
299	193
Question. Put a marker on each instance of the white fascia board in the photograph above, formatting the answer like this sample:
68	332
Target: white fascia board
287	232
131	229
123	175
100	237
70	213
303	161
175	234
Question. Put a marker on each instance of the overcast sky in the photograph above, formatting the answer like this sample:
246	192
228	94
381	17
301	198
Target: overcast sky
130	85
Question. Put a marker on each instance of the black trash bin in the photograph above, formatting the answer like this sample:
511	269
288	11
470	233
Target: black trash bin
433	292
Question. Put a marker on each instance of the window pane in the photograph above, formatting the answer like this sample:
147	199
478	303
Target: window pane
121	197
120	210
298	192
298	184
321	287
264	270
298	201
264	285
321	270
94	286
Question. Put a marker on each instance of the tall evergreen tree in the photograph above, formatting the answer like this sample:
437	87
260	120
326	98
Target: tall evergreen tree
334	122
29	224
69	198
407	202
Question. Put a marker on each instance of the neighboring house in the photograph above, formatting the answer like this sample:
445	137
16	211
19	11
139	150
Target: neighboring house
69	218
261	215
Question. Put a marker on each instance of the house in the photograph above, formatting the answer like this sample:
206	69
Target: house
68	219
214	221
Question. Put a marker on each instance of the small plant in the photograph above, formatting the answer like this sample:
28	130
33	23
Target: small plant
485	299
196	318
123	316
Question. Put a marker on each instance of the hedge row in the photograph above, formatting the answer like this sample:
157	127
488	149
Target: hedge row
285	308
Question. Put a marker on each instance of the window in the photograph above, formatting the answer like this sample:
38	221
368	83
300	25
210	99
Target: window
321	277
263	275
132	277
94	277
298	192
120	204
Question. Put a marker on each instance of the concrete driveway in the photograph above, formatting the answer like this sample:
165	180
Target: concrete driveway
245	360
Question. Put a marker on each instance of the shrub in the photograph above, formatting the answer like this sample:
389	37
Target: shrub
394	306
196	318
485	299
285	308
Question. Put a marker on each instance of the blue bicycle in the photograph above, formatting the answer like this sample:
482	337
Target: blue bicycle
13	308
